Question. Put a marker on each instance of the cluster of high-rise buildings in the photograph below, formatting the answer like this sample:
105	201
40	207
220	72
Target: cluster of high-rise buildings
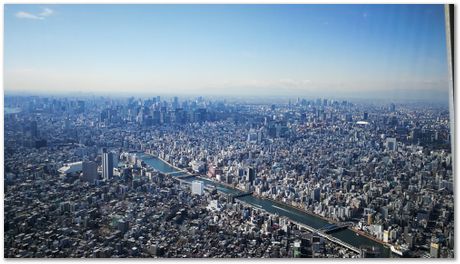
385	167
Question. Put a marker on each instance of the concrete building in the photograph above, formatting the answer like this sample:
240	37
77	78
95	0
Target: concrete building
197	187
391	144
107	165
434	250
89	171
71	168
250	175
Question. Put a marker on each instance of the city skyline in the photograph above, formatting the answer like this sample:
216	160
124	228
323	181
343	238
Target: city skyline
228	131
384	51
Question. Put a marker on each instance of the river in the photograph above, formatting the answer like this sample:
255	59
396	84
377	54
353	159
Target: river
296	215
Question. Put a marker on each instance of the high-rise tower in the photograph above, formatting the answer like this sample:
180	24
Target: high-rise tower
107	165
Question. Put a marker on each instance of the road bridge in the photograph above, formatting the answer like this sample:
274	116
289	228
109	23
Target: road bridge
242	195
328	237
174	173
331	228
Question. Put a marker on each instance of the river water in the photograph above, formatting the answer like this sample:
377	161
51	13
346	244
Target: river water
345	235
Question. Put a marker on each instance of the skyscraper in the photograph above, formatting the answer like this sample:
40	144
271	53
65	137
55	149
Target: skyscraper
366	115
107	165
175	103
250	175
316	194
89	171
392	107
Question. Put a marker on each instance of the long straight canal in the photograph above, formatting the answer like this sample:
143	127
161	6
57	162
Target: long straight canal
346	235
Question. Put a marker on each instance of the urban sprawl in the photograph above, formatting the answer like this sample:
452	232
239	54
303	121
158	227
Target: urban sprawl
78	184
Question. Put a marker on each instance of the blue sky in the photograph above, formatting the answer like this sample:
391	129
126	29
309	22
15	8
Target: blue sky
227	49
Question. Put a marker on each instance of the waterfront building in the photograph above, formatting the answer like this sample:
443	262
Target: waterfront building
197	187
369	252
198	166
369	219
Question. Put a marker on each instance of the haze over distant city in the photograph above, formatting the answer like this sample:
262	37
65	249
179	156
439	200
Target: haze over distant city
382	51
228	131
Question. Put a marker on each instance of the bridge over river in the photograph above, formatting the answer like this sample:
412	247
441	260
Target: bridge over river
328	237
337	233
328	229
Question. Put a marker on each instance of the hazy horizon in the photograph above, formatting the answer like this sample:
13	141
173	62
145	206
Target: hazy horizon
262	99
348	51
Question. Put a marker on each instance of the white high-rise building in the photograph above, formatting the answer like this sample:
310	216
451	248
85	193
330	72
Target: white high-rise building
197	187
107	165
